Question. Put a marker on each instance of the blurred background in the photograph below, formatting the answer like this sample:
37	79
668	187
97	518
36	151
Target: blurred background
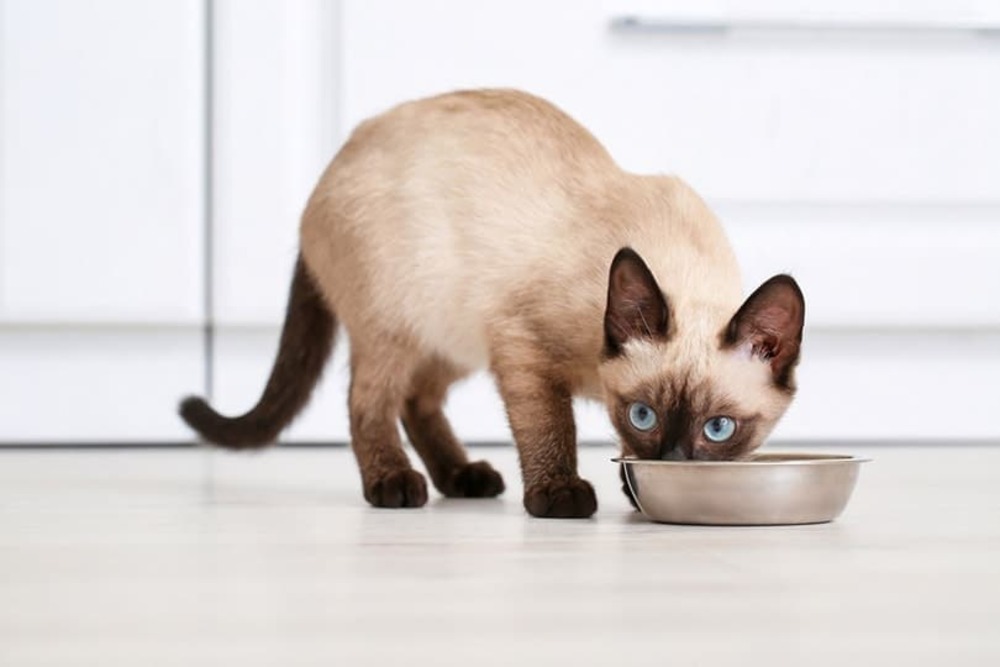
155	156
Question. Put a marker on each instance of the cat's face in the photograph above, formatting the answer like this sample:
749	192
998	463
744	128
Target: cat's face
697	389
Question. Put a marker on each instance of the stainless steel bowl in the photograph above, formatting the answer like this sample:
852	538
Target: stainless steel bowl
765	490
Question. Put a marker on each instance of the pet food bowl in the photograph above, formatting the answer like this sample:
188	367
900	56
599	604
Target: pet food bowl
766	489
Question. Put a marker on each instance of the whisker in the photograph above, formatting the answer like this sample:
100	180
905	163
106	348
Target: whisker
645	324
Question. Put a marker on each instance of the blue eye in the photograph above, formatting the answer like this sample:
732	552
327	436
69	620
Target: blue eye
719	429
642	416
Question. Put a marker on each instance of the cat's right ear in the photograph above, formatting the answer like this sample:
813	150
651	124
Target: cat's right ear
636	306
769	325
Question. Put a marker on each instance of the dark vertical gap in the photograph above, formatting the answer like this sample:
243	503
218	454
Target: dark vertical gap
3	142
208	214
208	209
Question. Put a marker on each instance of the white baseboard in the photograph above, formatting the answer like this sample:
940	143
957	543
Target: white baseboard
97	384
123	385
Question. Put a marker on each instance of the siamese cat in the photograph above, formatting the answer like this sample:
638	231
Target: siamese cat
487	229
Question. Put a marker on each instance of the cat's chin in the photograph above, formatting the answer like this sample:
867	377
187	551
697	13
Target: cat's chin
670	456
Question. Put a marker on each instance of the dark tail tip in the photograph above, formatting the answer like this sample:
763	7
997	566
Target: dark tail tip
238	433
306	342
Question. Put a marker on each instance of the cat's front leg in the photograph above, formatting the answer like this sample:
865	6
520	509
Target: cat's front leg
540	410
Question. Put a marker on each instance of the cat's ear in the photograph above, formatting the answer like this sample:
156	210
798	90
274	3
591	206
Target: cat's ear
769	326
636	306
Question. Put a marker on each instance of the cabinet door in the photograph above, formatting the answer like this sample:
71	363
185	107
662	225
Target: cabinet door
272	136
855	144
864	135
102	201
865	162
274	131
758	101
96	385
102	188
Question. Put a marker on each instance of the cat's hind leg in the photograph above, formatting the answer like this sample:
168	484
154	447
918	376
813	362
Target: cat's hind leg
381	372
431	436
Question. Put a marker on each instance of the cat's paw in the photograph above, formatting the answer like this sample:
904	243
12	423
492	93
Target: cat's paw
628	494
399	488
571	498
474	480
626	489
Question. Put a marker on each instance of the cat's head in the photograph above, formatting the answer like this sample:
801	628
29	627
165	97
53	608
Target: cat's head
710	388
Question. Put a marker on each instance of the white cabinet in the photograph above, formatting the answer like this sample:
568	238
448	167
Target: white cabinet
102	186
95	385
790	113
787	114
854	144
102	200
274	74
275	109
876	150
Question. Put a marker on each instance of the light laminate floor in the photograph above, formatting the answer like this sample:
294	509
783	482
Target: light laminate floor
187	558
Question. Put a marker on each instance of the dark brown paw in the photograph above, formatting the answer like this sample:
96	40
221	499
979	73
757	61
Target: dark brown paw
399	488
474	480
572	498
625	487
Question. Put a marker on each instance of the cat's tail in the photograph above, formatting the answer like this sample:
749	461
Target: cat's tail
306	341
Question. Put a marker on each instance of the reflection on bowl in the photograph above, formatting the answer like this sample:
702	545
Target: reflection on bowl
764	490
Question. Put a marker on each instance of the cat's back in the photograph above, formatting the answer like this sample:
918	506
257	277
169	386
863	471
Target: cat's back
431	208
503	124
437	214
469	168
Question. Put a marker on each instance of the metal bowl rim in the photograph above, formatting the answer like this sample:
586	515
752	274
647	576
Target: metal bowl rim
799	459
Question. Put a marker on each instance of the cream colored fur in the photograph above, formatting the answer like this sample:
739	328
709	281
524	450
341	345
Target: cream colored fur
460	222
477	229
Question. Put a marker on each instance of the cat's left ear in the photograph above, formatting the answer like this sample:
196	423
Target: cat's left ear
769	324
636	305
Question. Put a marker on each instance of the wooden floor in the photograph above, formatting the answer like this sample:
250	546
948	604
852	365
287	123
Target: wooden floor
188	558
